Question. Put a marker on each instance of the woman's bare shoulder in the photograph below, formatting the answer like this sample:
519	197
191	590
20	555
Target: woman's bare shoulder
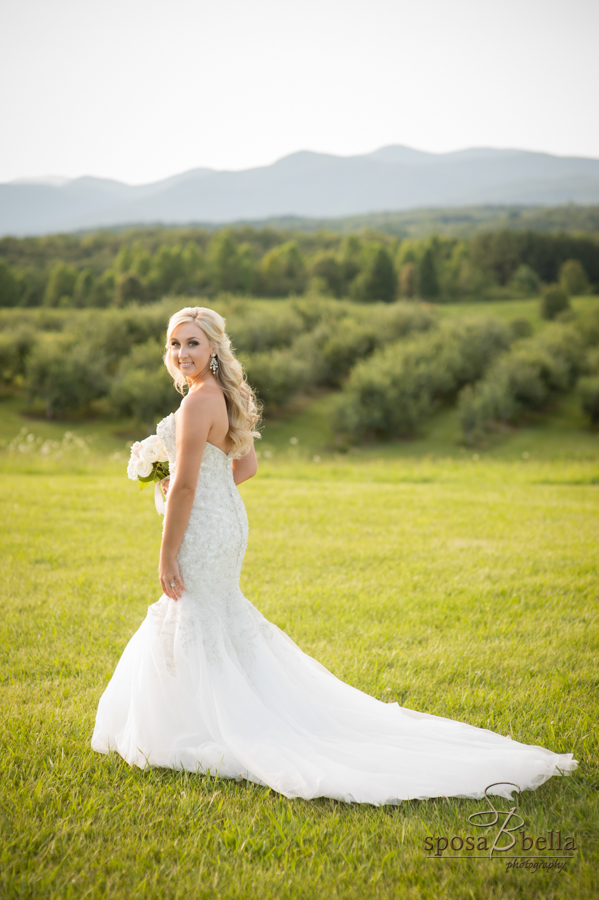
202	398
202	404
194	417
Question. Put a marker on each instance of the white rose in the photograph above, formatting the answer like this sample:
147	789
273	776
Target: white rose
150	449
131	469
150	454
144	468
135	449
153	445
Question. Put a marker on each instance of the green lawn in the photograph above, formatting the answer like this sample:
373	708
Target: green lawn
462	587
458	582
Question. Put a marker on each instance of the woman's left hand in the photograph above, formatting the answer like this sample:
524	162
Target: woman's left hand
170	578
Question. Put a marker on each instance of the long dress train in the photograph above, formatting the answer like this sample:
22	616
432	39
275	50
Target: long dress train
208	684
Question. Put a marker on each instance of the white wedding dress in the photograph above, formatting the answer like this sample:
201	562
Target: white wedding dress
208	684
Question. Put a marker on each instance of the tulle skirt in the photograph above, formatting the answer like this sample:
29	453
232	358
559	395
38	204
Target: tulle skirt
218	688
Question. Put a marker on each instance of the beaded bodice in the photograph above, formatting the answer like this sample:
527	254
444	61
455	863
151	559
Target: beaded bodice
216	466
215	539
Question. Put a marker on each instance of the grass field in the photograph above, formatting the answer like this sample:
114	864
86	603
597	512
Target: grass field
456	582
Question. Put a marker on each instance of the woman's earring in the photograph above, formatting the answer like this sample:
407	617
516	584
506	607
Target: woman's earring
214	364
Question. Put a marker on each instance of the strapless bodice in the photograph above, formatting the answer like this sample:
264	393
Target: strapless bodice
216	469
216	536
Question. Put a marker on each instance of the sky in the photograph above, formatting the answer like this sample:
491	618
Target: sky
139	90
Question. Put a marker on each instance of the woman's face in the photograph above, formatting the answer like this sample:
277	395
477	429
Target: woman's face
189	350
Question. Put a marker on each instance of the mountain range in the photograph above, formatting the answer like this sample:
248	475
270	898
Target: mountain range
308	184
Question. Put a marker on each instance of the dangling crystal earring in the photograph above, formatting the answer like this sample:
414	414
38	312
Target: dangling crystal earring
214	364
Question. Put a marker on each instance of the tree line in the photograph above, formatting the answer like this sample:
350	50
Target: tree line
114	269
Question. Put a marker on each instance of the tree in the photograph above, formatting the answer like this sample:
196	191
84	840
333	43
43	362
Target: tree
554	301
520	328
282	271
124	259
377	280
525	280
103	293
195	266
350	255
230	268
408	280
588	389
407	252
83	293
129	288
12	287
428	283
64	375
470	280
141	261
246	269
60	286
573	278
8	357
325	266
167	273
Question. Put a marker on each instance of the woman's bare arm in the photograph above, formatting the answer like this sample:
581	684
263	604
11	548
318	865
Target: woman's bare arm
245	467
194	421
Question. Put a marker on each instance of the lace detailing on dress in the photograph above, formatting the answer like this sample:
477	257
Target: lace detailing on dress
211	552
208	684
214	544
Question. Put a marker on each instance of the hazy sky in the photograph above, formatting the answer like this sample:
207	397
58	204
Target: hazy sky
140	89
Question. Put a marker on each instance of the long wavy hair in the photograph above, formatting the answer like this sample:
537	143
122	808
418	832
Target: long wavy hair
242	406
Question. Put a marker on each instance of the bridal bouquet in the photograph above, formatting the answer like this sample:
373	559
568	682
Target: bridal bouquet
148	461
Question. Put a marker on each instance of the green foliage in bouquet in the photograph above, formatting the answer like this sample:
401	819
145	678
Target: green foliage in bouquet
160	471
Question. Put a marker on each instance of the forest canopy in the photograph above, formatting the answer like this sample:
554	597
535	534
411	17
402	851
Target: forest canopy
114	269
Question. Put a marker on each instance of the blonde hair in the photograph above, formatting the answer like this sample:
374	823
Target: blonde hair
242	406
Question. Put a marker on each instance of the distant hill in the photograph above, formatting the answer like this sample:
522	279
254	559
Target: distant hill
305	185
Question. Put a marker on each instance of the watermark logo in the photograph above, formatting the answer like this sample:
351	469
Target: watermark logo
503	830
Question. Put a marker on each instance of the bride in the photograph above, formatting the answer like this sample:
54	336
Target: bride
208	684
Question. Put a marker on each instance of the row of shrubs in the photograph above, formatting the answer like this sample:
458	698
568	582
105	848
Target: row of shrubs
390	394
394	363
528	377
71	361
324	354
497	373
